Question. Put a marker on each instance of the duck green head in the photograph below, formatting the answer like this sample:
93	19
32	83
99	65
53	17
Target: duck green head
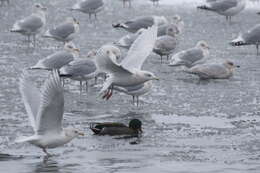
135	124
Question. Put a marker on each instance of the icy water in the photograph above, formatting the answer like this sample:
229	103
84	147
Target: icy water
189	126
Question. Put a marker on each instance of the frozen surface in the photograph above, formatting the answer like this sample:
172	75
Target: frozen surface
189	126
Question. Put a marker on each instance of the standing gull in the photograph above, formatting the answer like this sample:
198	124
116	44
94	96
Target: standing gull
252	37
64	32
214	70
128	72
85	69
127	40
226	8
89	7
166	44
141	22
191	57
176	20
135	91
58	59
31	25
45	111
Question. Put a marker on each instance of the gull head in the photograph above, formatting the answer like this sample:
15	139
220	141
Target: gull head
204	46
40	7
172	30
111	51
72	133
160	20
230	65
176	18
146	76
70	46
91	54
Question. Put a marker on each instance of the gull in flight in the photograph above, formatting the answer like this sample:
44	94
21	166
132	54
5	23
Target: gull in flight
31	25
128	72
45	111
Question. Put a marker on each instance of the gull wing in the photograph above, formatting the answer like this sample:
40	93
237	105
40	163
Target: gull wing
223	5
31	99
140	49
30	23
107	63
49	117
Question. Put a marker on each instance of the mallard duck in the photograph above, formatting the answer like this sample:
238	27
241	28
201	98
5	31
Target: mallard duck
108	128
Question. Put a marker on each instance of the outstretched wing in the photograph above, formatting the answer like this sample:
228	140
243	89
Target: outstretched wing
106	62
31	99
49	117
140	49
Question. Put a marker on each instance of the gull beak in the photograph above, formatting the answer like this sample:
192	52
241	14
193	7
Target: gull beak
156	78
81	133
207	47
44	8
77	22
76	49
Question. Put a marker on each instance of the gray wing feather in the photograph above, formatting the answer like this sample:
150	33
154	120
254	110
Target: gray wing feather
30	23
253	35
63	30
80	67
223	5
57	60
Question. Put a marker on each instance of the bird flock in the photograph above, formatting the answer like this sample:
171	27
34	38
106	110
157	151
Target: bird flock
146	35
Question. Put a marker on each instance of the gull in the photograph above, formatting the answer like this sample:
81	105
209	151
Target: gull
89	7
64	32
135	91
226	8
141	22
214	70
191	57
33	24
251	37
127	40
166	44
85	69
58	59
176	20
45	111
128	72
80	70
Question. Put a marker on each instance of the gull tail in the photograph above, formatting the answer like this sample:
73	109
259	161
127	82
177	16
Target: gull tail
118	25
47	34
204	7
24	139
239	41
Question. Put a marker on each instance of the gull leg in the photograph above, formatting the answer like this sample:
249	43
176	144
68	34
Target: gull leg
45	151
133	100
110	93
137	101
96	16
167	57
105	95
95	80
89	16
80	86
123	3
257	49
130	4
86	86
226	18
161	59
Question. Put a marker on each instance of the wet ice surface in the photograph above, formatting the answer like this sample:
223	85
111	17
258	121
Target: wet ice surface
189	126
